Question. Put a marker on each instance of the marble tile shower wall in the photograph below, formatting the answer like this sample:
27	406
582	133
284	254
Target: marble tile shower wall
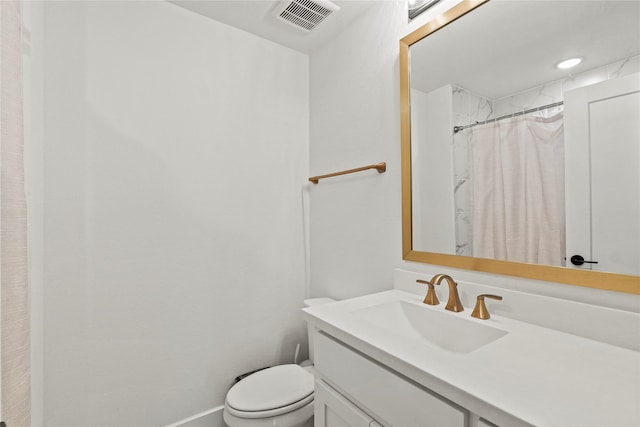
470	108
467	108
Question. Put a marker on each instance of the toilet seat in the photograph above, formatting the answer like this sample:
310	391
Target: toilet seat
271	392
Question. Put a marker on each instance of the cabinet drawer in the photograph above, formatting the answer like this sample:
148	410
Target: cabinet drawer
334	410
382	392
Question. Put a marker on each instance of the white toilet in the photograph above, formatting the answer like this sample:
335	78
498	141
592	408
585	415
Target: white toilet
281	396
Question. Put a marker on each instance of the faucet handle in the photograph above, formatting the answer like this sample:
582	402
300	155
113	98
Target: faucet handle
480	310
431	298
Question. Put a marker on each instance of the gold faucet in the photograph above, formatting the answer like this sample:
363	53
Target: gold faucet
454	303
480	311
431	298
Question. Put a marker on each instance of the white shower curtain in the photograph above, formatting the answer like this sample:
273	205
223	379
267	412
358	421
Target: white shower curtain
14	320
519	190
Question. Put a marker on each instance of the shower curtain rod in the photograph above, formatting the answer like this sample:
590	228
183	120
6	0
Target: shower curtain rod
457	129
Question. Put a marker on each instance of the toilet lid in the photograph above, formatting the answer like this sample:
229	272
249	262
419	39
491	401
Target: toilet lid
271	388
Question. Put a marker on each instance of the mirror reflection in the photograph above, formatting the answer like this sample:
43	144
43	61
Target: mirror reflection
516	157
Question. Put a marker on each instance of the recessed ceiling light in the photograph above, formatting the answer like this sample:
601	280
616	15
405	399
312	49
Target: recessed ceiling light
568	63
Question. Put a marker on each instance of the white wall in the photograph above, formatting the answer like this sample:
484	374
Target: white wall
355	219
355	121
431	121
356	223
175	157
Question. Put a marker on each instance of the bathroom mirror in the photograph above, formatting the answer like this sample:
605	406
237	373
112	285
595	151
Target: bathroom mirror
488	70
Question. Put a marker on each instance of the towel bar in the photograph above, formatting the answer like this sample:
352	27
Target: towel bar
380	167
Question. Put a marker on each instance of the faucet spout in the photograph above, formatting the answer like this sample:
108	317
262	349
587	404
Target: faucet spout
453	304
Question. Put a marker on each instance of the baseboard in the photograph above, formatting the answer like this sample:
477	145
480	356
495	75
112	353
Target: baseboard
209	418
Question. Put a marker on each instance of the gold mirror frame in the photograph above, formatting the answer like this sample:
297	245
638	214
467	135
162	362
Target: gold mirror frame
587	278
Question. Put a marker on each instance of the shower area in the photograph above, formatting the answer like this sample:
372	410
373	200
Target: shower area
508	172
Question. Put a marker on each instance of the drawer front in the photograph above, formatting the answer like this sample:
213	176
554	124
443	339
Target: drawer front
380	391
334	410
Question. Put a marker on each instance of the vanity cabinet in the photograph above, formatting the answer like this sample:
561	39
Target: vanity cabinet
389	356
352	385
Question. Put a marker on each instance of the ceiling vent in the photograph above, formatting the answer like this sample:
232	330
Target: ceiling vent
304	14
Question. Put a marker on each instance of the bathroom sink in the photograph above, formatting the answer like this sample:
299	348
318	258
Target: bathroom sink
439	328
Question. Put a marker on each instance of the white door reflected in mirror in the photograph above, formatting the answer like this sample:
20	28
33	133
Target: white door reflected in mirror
602	136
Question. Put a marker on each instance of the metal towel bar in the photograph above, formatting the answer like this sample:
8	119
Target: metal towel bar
380	167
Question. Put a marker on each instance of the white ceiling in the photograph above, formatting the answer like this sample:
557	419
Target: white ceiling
505	47
254	16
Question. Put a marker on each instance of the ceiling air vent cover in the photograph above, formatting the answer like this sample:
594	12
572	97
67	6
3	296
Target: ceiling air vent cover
304	14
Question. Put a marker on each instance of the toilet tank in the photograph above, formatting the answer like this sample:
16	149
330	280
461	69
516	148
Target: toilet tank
311	329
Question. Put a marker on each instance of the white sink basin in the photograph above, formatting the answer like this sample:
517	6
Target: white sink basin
442	329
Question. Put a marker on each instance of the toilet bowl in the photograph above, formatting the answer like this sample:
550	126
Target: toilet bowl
280	396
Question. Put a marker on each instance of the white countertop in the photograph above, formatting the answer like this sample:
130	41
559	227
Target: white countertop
535	375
